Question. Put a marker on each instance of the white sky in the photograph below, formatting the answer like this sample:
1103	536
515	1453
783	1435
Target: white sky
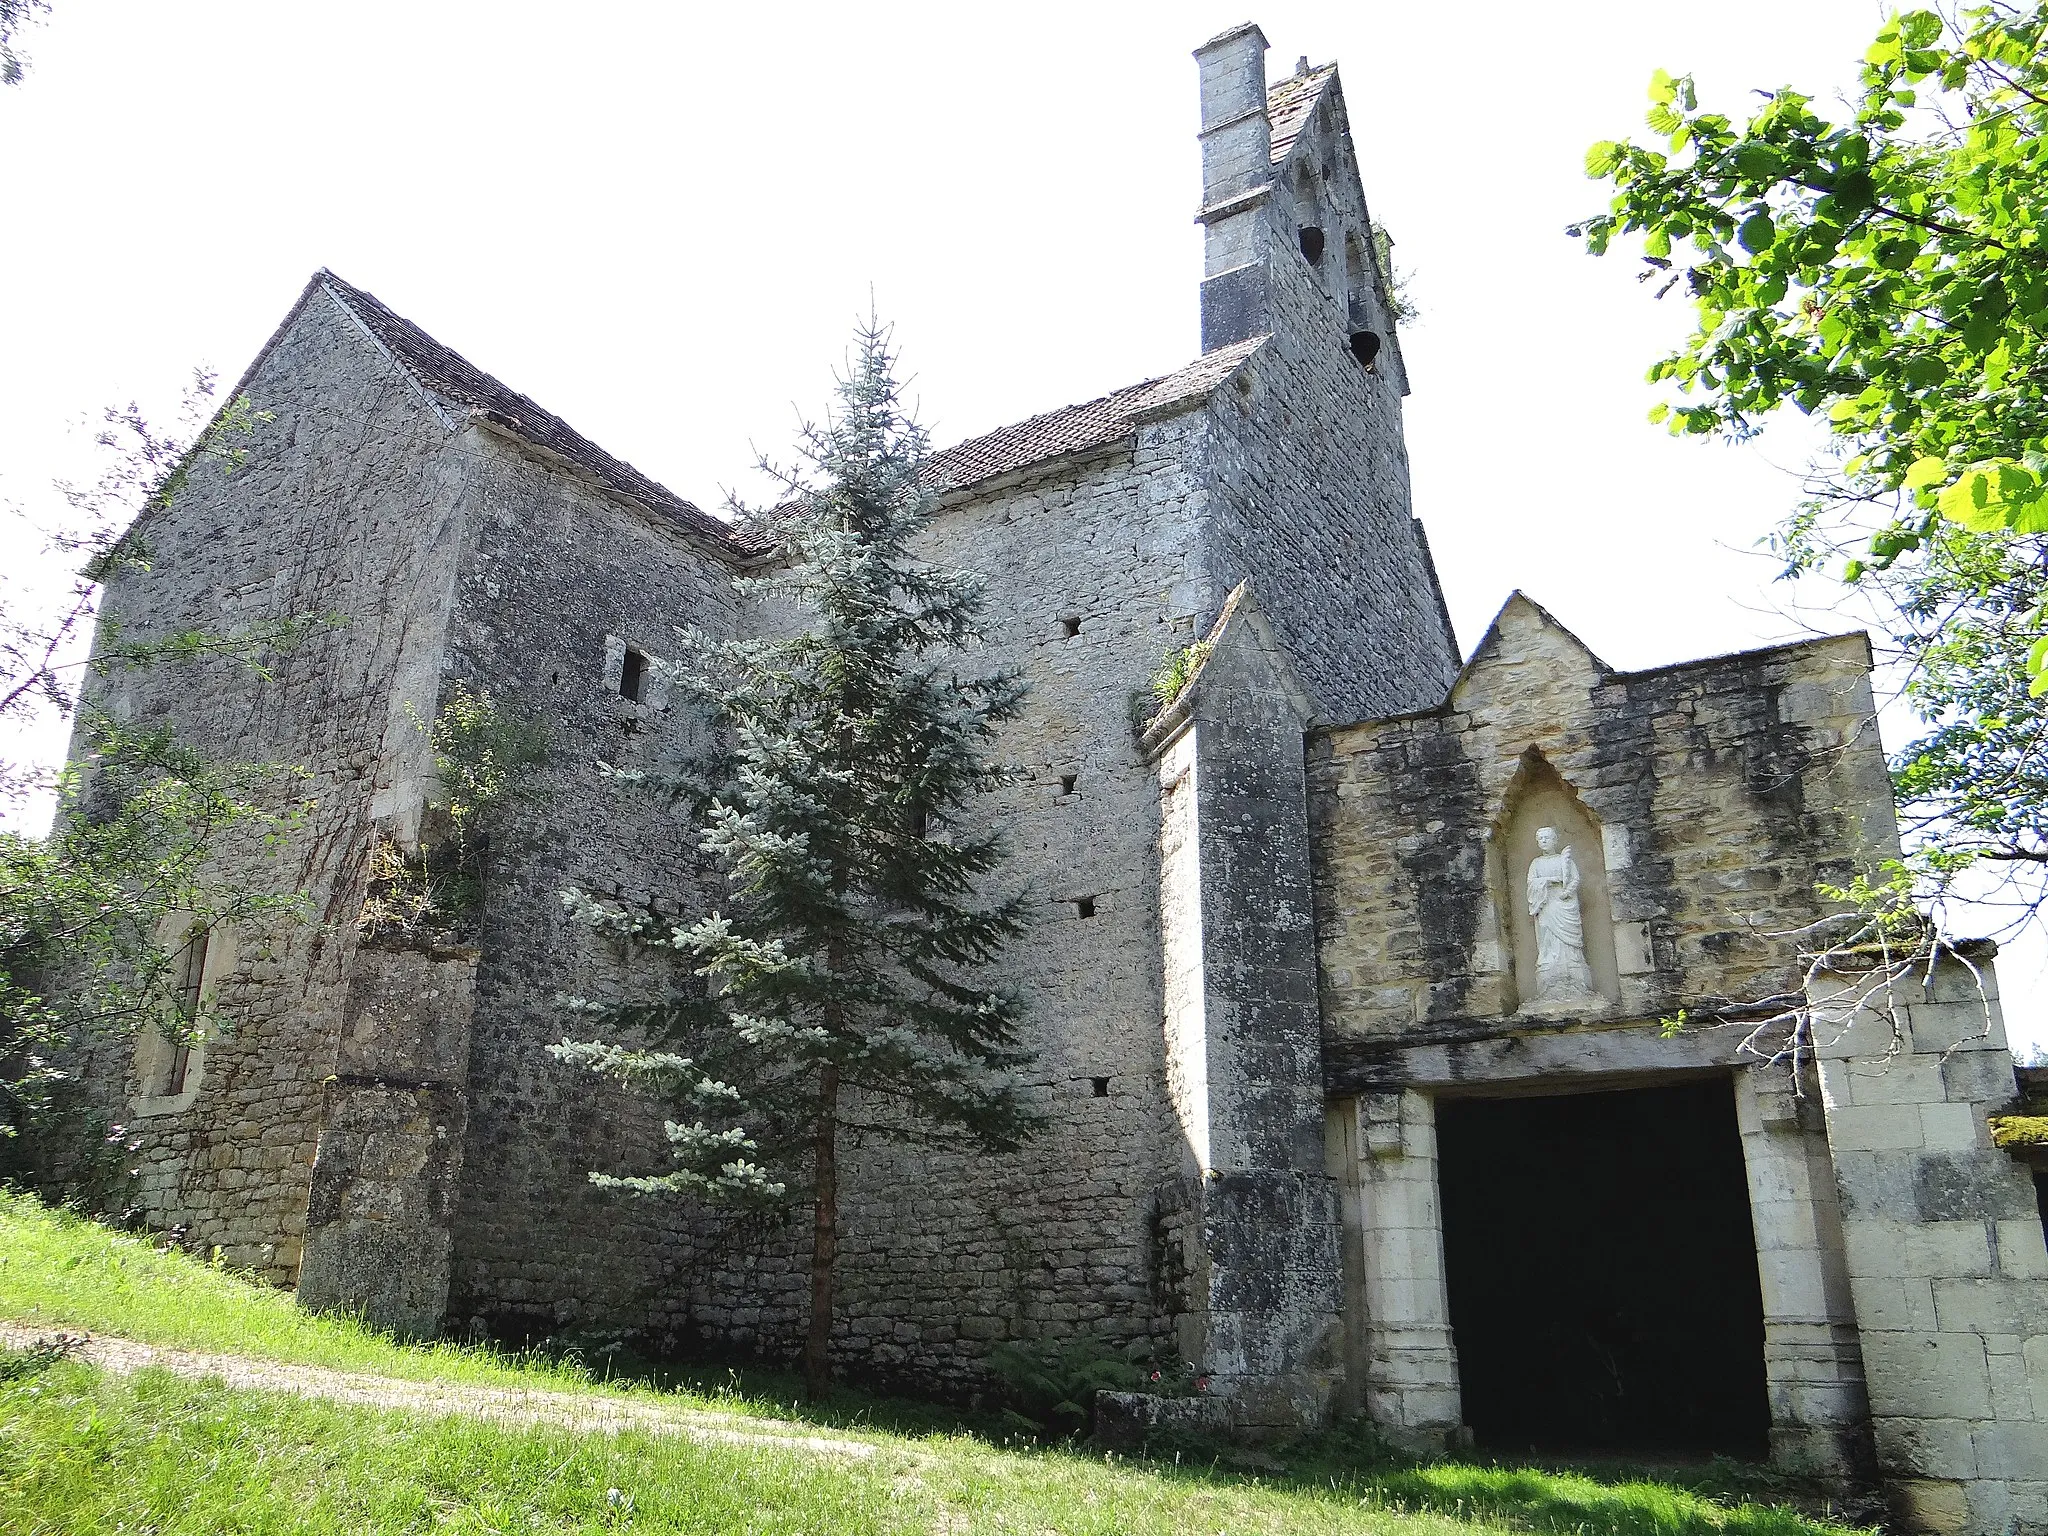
661	220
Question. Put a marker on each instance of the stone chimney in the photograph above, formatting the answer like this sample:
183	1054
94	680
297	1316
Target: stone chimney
1237	154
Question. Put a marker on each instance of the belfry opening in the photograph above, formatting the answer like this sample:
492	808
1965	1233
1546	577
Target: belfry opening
1602	1272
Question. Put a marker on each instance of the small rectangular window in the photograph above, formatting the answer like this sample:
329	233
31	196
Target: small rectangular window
1070	626
633	675
1066	783
1100	1085
1085	907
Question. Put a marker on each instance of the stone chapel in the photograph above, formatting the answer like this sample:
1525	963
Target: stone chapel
1350	974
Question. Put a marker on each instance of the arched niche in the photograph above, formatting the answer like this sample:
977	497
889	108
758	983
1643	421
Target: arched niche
1537	798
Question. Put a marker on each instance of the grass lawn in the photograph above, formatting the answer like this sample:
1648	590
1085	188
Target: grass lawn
81	1451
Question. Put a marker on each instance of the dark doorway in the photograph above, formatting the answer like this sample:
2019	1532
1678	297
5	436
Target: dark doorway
1602	1272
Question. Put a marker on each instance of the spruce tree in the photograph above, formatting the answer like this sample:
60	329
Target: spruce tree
841	990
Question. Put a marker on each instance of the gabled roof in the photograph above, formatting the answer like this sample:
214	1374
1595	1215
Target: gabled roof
1289	103
1088	425
456	382
457	389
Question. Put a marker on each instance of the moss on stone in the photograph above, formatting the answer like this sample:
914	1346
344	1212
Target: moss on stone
2016	1131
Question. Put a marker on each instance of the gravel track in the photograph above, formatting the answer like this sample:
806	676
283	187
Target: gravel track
503	1405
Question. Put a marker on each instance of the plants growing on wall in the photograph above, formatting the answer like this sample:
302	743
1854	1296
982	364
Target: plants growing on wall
1173	675
1048	1390
486	760
840	989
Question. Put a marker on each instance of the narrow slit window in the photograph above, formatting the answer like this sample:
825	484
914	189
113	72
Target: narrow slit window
633	675
1067	782
188	982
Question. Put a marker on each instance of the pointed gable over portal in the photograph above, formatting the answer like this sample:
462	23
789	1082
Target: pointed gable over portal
1526	650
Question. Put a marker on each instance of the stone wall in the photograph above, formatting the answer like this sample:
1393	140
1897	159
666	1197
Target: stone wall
1311	467
388	1168
1900	1256
347	510
1720	791
1945	1256
1243	1036
558	578
1094	579
1703	803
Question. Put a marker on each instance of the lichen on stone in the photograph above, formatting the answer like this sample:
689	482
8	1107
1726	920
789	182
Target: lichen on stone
2014	1132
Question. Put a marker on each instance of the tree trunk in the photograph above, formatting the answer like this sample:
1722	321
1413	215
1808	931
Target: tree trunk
824	1235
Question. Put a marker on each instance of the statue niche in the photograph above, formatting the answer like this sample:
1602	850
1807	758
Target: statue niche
1552	884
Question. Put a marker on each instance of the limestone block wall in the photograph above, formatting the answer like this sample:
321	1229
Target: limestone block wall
348	509
1095	577
1900	1256
558	579
1945	1254
388	1167
1243	1035
1400	1358
1813	1359
1714	796
1311	473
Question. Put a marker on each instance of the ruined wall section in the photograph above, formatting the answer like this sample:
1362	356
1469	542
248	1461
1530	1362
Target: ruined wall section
559	577
348	509
1312	506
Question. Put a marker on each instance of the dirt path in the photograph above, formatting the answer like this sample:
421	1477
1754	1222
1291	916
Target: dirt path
504	1405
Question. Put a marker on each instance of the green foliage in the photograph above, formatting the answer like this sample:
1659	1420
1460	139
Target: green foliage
84	1452
487	760
84	951
1172	676
2010	1131
1049	1389
845	811
1399	286
1888	275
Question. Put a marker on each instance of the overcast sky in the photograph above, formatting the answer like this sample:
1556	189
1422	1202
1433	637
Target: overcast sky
661	220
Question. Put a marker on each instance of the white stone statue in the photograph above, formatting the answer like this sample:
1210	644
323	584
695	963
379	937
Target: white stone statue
1562	974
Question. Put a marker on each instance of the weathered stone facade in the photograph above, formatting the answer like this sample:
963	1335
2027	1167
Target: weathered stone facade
1898	1254
1276	954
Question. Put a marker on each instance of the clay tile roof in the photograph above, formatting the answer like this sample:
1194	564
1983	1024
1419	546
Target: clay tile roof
1088	425
456	382
1289	103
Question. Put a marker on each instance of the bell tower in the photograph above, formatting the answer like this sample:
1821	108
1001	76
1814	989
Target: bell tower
1288	241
